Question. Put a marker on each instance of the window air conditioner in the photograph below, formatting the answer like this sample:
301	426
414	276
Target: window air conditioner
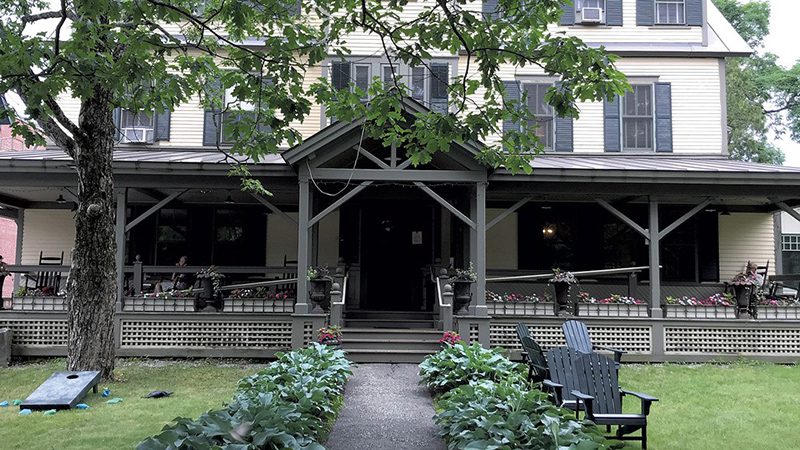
591	15
137	135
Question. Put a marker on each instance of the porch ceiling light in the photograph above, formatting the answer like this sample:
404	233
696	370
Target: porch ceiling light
61	200
549	231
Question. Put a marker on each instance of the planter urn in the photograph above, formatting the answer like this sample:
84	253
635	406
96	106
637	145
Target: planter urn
562	296
462	295
742	293
319	292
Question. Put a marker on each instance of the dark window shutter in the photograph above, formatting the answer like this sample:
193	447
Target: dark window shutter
568	15
490	8
117	119
663	117
340	75
162	126
513	95
645	12
614	13
563	134
212	119
611	125
694	12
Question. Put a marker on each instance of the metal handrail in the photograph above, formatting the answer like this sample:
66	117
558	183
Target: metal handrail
621	270
256	284
344	292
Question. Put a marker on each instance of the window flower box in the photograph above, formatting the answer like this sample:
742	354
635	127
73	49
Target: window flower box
39	303
612	310
159	303
258	305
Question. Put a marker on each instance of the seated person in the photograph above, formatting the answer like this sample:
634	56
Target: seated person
752	269
179	281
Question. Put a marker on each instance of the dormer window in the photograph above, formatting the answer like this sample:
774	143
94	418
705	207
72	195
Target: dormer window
589	12
670	12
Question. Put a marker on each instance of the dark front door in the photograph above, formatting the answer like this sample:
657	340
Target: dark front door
396	245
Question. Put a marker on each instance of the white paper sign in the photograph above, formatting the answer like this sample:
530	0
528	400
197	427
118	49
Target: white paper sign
416	238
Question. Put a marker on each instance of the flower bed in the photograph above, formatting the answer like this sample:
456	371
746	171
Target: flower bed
291	404
486	402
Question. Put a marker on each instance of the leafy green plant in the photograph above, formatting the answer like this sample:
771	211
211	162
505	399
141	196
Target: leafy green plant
467	274
291	404
461	363
502	415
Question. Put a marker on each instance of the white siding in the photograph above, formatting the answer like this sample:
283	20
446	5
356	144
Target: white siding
745	237
501	241
630	32
51	231
696	102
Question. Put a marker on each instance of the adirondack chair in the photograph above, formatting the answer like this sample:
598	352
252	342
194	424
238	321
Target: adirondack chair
537	364
577	336
522	331
601	398
562	381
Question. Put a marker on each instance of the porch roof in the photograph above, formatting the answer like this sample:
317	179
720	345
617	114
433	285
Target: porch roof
653	168
124	157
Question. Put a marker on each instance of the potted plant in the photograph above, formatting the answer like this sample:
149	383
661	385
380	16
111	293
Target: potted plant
461	280
561	282
319	286
743	285
331	335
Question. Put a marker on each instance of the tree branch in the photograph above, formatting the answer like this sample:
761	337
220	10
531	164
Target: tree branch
50	15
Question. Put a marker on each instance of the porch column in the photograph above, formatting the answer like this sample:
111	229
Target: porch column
655	261
477	246
18	255
119	234
303	245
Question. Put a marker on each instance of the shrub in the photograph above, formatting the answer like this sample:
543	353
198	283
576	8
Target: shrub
489	415
460	363
291	404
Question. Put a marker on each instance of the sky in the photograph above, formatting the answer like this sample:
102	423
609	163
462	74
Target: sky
783	41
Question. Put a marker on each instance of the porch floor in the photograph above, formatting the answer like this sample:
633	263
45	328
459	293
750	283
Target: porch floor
385	408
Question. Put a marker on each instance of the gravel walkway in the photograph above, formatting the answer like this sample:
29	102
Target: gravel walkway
385	409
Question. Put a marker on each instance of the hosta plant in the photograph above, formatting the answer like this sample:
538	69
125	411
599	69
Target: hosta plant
504	415
461	363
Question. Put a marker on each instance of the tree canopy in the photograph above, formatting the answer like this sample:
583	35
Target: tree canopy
153	55
156	54
763	96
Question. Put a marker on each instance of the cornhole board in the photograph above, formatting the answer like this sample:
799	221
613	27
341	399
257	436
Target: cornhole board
63	390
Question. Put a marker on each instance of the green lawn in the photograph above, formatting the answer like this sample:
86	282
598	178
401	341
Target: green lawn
198	386
731	407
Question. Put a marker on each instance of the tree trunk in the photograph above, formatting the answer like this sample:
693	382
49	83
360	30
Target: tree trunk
92	286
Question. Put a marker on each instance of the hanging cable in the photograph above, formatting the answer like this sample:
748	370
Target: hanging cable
352	171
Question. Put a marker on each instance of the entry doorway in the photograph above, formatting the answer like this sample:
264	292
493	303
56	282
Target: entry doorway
397	245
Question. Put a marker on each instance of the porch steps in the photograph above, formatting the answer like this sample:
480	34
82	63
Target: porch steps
389	319
389	345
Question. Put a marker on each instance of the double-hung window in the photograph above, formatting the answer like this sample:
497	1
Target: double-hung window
670	12
638	118
429	85
543	117
234	110
353	76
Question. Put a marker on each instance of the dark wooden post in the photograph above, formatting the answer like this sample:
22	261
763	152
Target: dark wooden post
137	276
655	261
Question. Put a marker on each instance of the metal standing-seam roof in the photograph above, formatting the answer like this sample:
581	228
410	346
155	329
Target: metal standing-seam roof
141	156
